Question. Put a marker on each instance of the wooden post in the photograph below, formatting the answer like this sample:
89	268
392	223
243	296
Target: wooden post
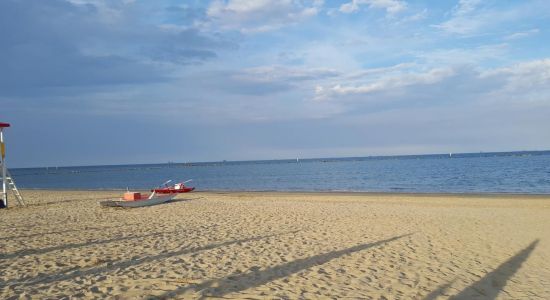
4	203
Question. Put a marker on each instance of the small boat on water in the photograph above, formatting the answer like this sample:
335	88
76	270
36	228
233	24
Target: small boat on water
159	195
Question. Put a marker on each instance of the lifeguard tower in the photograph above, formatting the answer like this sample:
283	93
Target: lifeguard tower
7	180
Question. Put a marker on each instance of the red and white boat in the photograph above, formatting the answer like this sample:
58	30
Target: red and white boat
176	188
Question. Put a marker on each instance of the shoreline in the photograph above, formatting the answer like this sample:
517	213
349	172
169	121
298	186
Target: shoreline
343	193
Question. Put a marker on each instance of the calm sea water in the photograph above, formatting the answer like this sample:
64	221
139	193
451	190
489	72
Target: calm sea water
511	172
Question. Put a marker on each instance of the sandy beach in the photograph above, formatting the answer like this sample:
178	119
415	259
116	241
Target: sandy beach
277	246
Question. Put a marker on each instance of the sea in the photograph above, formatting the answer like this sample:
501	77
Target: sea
525	172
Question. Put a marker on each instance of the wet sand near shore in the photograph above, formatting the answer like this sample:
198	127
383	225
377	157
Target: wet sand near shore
258	245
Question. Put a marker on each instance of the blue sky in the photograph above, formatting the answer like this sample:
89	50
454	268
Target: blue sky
112	82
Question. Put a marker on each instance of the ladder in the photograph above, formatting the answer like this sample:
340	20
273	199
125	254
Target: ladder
13	188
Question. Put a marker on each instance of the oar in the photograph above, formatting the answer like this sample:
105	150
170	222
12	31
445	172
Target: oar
167	182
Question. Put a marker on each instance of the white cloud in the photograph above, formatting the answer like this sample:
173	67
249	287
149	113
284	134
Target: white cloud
523	83
465	7
522	34
526	81
416	17
282	73
464	56
391	6
381	70
385	84
259	15
476	17
108	11
462	19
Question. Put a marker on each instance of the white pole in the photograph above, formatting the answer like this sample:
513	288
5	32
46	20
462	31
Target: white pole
4	190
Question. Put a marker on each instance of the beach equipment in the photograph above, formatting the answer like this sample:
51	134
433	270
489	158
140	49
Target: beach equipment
132	199
7	179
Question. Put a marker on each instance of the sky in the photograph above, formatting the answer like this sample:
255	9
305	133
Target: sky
88	82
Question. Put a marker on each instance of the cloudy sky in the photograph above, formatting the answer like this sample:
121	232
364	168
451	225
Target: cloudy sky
111	82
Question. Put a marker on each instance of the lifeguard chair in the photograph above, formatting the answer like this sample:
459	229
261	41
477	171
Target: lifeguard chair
7	180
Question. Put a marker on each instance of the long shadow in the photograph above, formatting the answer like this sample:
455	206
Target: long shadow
243	281
491	284
68	201
66	231
75	245
72	273
183	200
24	279
439	291
38	234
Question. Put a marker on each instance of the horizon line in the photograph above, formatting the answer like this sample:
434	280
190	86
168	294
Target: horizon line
285	159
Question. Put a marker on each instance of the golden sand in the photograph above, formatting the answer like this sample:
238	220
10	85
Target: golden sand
277	245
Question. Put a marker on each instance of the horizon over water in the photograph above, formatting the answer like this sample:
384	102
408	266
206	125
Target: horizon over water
485	172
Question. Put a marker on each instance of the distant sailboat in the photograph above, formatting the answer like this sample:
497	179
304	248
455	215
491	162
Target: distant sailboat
450	155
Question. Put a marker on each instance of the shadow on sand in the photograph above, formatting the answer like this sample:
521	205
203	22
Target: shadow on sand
491	284
38	234
218	288
68	201
440	291
183	200
78	272
76	245
99	229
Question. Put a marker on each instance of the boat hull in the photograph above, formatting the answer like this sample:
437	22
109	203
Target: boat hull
173	190
138	203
